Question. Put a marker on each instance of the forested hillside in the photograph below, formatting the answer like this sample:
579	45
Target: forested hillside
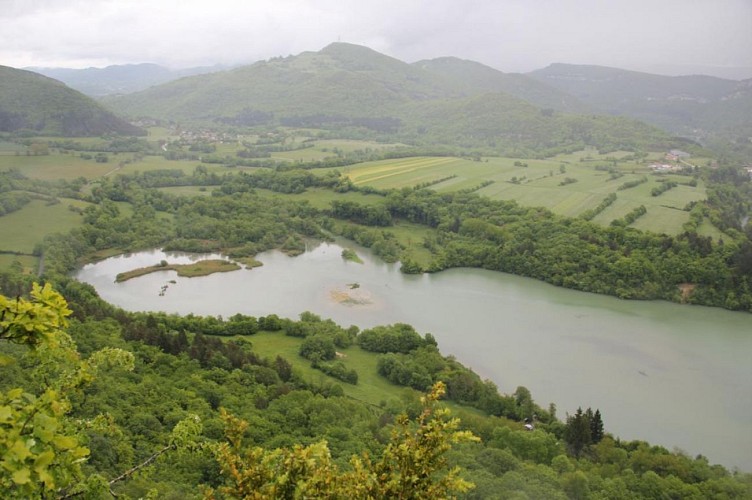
98	402
476	78
40	105
711	110
361	93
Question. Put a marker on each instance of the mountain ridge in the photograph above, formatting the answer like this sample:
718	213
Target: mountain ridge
700	107
119	78
350	87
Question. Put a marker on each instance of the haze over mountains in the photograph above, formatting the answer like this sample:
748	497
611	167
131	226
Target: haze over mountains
449	100
119	79
32	102
699	107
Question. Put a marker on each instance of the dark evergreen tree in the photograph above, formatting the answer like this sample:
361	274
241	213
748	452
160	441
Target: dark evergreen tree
596	427
577	432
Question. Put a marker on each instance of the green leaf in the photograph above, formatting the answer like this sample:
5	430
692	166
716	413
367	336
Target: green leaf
6	414
15	393
6	360
65	442
45	427
43	461
46	478
22	476
19	451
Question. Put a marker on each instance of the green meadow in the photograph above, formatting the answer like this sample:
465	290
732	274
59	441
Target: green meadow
25	228
371	387
322	198
188	190
29	263
55	166
326	148
567	185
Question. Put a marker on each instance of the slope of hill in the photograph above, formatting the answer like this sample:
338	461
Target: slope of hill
340	80
704	108
516	128
118	79
349	86
46	106
474	78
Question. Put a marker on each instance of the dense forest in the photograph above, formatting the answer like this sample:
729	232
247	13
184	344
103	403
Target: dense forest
98	401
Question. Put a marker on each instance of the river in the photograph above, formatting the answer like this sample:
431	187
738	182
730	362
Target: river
675	375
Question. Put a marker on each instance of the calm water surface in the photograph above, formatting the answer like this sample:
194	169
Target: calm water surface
673	375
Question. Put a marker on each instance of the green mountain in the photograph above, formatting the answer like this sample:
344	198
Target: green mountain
703	108
340	80
358	90
46	106
475	78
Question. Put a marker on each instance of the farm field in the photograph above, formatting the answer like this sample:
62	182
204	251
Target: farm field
71	166
29	263
322	198
327	148
25	228
55	166
567	185
188	190
158	163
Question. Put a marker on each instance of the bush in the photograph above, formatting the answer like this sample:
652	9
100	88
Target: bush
392	338
318	348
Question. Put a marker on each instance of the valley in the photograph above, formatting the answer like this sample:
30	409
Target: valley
403	228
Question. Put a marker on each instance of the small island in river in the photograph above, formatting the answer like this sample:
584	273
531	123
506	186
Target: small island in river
200	268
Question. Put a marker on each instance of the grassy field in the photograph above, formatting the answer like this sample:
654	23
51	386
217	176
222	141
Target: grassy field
322	198
371	387
25	228
189	190
71	166
55	166
10	148
329	147
529	182
542	183
318	198
29	263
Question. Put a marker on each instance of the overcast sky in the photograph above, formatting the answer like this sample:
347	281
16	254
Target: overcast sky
661	36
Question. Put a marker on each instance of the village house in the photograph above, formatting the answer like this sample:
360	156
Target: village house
676	155
664	167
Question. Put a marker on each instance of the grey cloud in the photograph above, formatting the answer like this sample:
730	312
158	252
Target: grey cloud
512	35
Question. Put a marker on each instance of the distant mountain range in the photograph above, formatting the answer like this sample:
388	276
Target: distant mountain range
703	108
41	105
119	79
445	100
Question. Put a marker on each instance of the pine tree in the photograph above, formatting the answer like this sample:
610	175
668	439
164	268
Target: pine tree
596	427
577	432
